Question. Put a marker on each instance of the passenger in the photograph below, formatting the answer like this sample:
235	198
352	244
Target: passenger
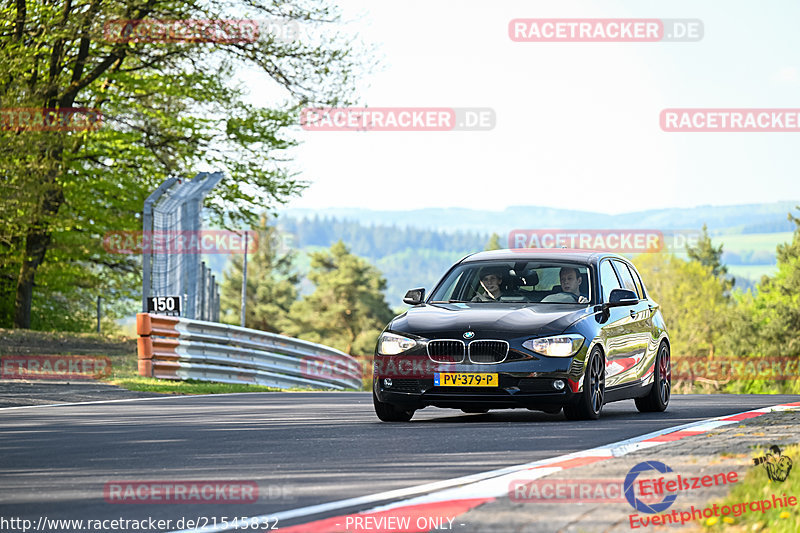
570	287
491	278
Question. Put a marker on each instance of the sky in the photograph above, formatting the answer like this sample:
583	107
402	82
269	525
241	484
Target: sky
577	124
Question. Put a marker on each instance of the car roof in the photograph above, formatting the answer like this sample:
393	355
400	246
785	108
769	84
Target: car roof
563	254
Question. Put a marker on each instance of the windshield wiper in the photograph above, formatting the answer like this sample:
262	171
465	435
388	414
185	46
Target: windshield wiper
451	302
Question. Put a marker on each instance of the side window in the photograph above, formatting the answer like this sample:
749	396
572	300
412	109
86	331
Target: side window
625	276
638	280
608	279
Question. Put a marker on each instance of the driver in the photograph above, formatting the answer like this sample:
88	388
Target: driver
490	281
570	287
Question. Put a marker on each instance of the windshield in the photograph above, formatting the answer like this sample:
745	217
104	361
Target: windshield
516	281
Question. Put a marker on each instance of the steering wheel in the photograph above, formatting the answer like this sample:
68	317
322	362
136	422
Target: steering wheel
574	296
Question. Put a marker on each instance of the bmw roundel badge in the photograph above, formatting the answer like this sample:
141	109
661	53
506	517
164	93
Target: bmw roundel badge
469	334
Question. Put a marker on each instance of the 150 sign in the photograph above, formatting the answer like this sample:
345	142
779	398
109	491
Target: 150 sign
164	305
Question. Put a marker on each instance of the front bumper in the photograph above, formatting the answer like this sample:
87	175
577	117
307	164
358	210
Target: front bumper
522	384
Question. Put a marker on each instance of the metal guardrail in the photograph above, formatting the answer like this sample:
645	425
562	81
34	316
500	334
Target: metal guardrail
181	348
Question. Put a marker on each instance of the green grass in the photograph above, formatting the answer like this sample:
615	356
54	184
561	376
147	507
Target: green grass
757	486
758	242
126	377
753	272
164	386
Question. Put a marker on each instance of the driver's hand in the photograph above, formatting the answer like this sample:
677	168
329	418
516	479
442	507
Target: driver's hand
583	300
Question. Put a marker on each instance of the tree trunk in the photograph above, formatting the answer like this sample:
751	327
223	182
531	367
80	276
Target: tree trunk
37	240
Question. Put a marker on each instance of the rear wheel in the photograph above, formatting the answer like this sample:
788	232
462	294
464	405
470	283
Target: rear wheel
590	403
388	412
658	397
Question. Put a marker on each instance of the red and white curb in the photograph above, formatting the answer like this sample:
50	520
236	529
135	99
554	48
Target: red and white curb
443	501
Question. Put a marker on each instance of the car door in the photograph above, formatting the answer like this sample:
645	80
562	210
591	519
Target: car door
652	332
613	331
632	358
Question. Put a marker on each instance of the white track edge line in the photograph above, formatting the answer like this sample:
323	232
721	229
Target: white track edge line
95	402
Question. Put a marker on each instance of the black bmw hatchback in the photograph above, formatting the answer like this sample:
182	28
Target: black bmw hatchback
538	329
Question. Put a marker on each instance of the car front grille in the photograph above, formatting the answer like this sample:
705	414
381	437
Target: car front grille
488	351
446	351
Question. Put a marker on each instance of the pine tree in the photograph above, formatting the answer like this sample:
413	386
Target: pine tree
707	255
347	310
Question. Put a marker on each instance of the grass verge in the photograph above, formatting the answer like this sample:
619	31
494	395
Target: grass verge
139	383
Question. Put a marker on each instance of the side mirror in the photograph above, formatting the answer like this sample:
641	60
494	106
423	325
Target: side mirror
620	297
414	296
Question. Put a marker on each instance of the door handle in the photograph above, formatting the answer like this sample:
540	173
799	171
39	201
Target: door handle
633	313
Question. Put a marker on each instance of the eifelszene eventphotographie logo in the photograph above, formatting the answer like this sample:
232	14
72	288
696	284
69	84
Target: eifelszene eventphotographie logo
777	465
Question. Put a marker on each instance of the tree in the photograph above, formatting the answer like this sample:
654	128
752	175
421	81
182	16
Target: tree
168	108
775	308
347	309
271	283
494	242
692	301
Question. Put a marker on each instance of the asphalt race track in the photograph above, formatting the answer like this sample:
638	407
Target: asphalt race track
300	448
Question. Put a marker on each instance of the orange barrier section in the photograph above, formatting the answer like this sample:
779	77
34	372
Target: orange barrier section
147	324
152	351
165	369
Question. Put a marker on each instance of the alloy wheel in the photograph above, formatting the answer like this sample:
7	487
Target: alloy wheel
665	374
596	383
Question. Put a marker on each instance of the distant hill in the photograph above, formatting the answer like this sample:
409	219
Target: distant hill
414	248
749	218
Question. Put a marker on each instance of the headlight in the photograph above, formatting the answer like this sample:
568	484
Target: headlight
391	344
559	346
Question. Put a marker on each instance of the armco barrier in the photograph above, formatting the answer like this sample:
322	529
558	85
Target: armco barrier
181	348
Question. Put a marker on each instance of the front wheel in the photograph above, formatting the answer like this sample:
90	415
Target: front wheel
658	397
388	412
590	402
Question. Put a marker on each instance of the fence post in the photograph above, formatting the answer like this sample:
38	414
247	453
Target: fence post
244	284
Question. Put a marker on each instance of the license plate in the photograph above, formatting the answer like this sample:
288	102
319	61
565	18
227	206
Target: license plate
463	379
